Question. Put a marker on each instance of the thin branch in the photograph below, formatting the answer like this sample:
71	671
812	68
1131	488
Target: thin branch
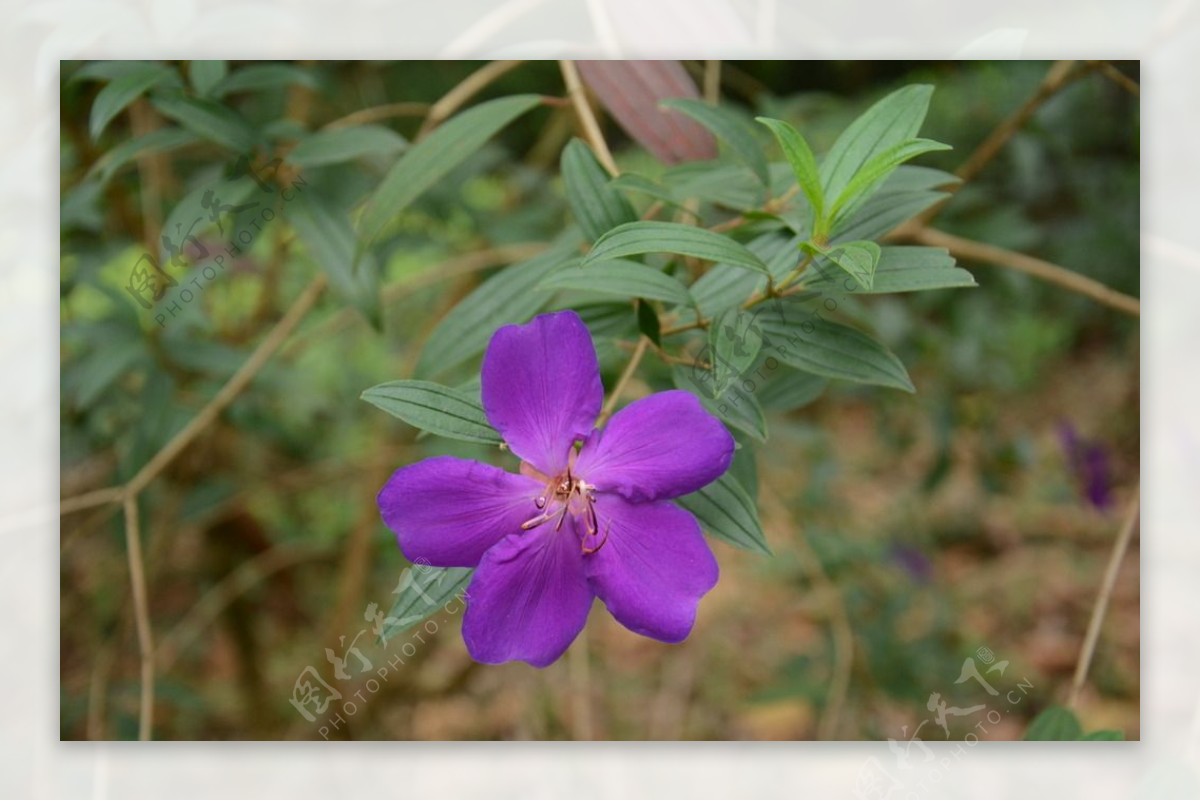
587	118
87	500
712	81
623	381
1120	546
233	387
377	113
470	86
1038	268
1059	76
1116	76
141	611
237	583
579	676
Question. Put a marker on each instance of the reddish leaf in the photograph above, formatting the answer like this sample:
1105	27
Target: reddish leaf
632	90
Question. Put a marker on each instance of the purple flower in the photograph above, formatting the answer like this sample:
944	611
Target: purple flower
572	525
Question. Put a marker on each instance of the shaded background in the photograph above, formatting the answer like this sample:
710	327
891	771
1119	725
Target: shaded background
909	531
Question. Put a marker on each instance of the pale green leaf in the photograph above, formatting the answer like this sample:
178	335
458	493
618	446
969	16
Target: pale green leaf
620	278
420	593
329	238
729	127
598	207
120	92
803	163
636	238
434	408
204	75
807	342
726	511
209	120
346	144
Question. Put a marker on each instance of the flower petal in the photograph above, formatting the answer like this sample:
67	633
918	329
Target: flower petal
448	511
662	446
529	598
541	387
653	567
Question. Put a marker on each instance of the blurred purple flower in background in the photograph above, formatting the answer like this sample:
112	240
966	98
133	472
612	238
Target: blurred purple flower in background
572	525
1089	464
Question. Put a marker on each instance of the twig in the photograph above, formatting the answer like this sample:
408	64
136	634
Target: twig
1116	76
623	381
233	387
464	91
240	581
376	113
587	118
141	611
1059	76
712	81
1038	268
87	500
579	673
1120	546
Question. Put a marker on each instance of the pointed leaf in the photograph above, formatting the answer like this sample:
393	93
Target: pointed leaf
857	259
158	141
421	592
598	207
327	234
736	408
636	238
258	77
204	75
429	160
874	172
726	511
729	127
346	144
117	95
733	344
1054	723
901	268
889	122
807	342
210	120
622	278
803	163
434	408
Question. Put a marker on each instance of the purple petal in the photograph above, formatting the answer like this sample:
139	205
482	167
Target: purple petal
529	598
662	446
541	387
448	511
653	567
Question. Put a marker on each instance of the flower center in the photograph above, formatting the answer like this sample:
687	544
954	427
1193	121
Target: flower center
568	494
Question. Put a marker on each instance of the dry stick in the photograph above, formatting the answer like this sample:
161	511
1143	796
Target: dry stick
1101	606
587	118
1059	76
240	581
1038	268
470	86
1116	76
232	388
712	81
141	611
87	500
376	113
623	381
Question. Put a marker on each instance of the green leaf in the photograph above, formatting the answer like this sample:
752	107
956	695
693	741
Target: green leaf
903	195
112	70
636	238
1104	734
421	592
204	75
621	278
429	160
1054	723
901	268
190	217
434	408
209	120
858	259
158	141
726	511
788	389
728	126
731	185
509	296
889	122
329	237
739	409
632	182
648	322
804	165
346	144
117	95
258	77
809	343
874	173
733	343
598	207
